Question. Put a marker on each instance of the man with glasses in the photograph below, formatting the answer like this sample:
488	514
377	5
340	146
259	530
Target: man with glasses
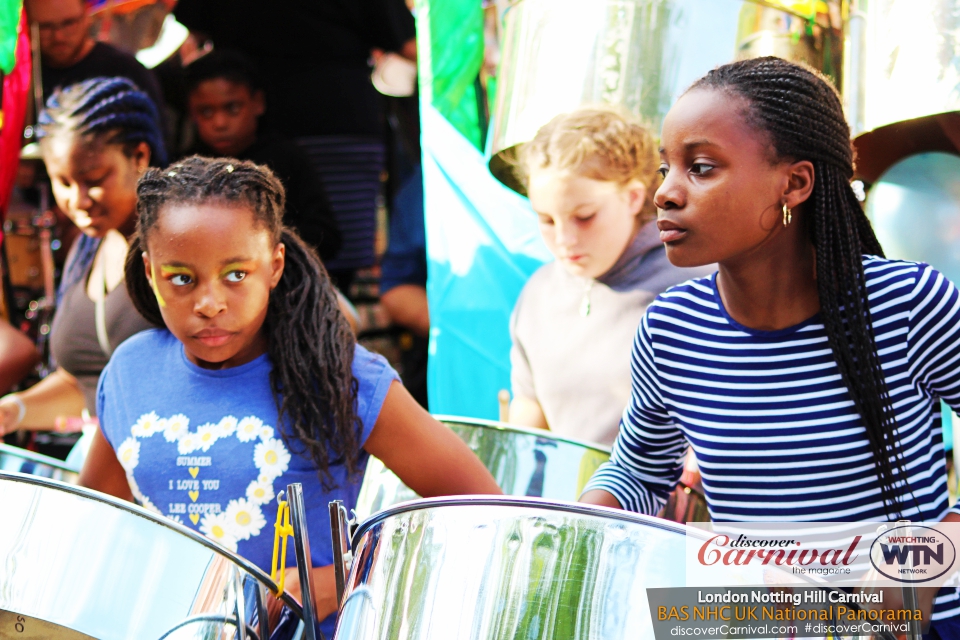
68	54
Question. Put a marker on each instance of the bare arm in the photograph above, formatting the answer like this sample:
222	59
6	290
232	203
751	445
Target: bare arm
527	412
406	304
56	395
601	498
349	312
102	471
324	584
428	457
18	356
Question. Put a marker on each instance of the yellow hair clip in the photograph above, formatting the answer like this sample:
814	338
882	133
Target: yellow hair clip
283	530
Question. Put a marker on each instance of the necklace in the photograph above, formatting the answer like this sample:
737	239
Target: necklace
585	303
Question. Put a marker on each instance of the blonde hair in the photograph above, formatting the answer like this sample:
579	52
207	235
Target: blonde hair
601	143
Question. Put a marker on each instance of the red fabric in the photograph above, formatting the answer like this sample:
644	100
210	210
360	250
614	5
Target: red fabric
16	88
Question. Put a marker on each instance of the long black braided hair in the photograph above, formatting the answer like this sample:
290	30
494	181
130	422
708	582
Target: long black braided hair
310	343
801	112
109	110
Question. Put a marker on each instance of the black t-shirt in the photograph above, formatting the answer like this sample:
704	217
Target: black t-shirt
103	60
313	55
308	210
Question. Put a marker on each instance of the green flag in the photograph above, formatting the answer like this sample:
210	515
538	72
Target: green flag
9	21
450	51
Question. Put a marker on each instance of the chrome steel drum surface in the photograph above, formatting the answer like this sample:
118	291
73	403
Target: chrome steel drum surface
79	564
524	462
904	61
23	461
487	568
558	55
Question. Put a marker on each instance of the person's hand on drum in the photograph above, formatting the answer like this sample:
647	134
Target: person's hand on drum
11	414
324	598
600	498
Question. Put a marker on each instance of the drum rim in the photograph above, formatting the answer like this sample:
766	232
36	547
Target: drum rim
33	456
163	521
578	508
503	426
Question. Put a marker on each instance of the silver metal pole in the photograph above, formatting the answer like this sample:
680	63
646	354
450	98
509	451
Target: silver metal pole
301	542
241	605
341	546
854	72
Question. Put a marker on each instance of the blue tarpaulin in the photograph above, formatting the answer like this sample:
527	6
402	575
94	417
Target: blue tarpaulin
482	245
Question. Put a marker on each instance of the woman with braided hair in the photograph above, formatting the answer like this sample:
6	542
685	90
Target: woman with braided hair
806	373
255	380
97	138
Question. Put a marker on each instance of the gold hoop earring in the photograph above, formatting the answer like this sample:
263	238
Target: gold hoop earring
787	215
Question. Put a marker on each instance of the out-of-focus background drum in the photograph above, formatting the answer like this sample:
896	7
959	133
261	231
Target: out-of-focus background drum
22	461
22	244
514	568
558	55
524	462
79	564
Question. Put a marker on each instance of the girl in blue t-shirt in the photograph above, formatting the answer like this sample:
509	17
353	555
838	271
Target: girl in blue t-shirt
256	381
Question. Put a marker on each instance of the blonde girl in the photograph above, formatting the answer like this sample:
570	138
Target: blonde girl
590	176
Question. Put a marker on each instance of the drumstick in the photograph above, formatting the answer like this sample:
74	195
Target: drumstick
504	399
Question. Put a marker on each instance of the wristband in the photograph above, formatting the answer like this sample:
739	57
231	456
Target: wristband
21	407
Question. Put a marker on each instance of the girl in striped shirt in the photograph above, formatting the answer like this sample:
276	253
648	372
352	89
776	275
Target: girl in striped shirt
806	373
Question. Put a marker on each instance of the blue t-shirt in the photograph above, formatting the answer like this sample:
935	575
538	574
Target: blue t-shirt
202	446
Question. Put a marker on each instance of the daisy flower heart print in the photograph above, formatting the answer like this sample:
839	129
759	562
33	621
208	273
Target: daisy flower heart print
204	448
196	492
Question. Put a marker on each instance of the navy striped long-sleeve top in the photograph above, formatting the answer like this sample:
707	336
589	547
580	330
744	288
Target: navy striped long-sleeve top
766	412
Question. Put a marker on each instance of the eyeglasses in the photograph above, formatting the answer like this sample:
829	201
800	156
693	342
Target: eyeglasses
62	25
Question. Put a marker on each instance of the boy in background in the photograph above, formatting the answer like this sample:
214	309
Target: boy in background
225	101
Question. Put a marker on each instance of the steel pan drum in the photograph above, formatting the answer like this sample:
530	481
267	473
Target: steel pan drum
904	61
23	461
80	564
641	55
524	462
489	568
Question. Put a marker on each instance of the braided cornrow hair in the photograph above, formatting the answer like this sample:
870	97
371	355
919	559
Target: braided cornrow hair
111	108
801	112
310	343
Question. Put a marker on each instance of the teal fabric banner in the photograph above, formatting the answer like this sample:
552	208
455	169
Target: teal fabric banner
483	243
